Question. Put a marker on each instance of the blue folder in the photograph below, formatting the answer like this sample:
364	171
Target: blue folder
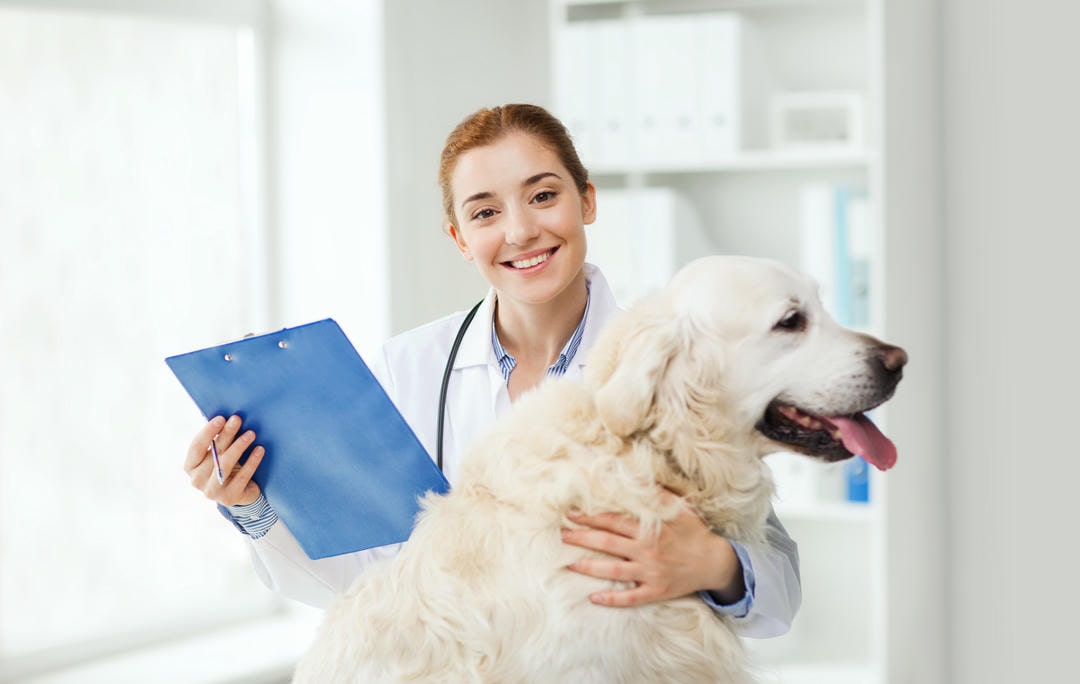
342	468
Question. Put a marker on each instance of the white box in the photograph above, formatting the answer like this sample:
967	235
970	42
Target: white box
577	102
666	110
718	84
731	84
818	119
611	52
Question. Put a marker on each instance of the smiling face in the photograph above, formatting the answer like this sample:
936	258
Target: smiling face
520	218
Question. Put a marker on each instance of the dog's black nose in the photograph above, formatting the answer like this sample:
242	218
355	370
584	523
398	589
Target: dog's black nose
892	358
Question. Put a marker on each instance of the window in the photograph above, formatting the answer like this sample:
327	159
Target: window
130	229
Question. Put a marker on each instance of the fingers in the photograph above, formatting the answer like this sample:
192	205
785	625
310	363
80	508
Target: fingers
199	450
240	476
200	446
601	540
604	568
238	486
612	522
228	433
619	567
230	451
629	597
639	589
644	564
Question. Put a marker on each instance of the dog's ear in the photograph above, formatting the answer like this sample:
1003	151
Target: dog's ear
628	368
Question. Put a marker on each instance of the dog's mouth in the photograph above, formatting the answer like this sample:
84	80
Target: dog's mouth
831	438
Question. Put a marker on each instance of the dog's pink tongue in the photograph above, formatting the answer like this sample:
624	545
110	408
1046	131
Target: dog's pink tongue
862	437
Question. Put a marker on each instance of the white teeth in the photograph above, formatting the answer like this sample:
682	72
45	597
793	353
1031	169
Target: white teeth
526	263
802	419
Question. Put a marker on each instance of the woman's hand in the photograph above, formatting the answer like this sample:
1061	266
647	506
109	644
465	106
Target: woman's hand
684	558
238	488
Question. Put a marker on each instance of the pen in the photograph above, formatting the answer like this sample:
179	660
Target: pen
217	461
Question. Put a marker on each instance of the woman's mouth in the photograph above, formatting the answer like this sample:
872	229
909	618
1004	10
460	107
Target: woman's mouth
530	262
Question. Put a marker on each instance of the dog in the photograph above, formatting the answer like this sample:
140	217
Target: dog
734	359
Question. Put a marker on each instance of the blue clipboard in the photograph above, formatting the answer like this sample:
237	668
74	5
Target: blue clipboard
342	468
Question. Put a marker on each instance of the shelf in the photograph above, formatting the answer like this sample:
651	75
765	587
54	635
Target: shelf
711	5
754	160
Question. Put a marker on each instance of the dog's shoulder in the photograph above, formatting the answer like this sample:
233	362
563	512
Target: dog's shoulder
530	446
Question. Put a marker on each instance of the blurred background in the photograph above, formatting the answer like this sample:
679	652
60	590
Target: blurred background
175	174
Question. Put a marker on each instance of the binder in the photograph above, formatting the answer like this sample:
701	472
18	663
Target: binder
342	469
610	53
576	92
719	61
668	127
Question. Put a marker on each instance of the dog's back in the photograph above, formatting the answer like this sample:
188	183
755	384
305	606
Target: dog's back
481	592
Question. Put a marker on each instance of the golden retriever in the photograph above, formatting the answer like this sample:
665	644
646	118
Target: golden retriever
734	359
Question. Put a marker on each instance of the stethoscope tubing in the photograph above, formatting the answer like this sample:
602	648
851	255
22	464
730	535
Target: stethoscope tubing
446	382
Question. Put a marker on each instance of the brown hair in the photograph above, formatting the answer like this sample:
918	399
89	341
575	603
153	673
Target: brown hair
489	125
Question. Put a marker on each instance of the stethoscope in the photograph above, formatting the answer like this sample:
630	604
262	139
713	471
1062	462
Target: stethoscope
446	381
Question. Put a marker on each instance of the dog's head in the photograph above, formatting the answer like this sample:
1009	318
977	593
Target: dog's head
744	345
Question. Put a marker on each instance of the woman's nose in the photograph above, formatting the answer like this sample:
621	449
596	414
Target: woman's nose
521	229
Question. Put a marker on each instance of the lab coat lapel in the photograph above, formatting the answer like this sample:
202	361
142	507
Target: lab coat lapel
471	411
602	307
471	414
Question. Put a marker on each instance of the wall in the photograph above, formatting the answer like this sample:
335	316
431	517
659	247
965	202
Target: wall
915	641
1012	218
327	202
443	61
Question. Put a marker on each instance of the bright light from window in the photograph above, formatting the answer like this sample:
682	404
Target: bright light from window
126	235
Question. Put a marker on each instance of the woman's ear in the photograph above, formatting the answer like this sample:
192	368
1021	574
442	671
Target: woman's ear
459	241
588	204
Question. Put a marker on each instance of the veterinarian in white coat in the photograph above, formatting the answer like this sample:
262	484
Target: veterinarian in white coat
525	232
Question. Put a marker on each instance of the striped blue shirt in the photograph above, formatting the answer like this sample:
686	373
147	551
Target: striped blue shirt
507	363
255	518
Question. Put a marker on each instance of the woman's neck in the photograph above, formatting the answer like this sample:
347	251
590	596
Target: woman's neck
535	334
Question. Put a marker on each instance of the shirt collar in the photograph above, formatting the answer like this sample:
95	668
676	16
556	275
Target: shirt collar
507	362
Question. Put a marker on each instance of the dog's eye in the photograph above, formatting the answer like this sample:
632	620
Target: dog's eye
793	321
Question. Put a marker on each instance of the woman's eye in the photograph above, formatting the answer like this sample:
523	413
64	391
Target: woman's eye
793	321
484	214
545	196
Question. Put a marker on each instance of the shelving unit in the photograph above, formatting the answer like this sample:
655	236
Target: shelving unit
751	160
747	187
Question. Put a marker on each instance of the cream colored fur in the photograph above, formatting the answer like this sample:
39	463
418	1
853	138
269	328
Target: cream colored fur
673	391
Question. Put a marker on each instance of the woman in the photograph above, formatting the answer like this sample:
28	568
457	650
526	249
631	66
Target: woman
517	200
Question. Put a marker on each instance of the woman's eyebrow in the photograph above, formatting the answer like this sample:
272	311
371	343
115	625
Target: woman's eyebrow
531	180
477	196
539	177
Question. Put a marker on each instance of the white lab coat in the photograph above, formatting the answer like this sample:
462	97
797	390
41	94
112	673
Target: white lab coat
411	370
